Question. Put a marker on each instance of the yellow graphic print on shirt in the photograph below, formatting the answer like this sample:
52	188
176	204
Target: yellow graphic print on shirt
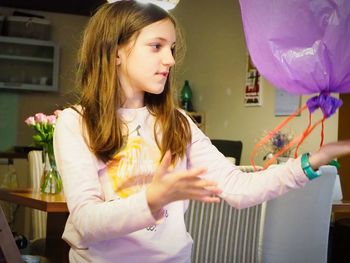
132	168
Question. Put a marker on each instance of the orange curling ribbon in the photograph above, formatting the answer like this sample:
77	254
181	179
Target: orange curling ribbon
298	140
268	137
308	130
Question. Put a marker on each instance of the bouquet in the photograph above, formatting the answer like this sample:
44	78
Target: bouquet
44	125
277	142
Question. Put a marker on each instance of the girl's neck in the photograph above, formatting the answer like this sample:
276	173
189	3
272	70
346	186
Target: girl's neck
132	99
133	104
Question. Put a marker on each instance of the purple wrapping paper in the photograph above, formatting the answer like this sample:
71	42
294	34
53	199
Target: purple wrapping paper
326	103
301	46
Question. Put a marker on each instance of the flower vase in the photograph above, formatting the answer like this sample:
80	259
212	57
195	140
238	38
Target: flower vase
51	181
282	159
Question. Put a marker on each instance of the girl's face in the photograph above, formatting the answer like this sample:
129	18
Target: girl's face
144	64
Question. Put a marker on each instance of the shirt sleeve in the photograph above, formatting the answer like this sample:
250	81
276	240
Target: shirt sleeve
242	189
94	218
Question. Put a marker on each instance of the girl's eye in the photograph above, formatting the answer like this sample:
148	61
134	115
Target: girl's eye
156	46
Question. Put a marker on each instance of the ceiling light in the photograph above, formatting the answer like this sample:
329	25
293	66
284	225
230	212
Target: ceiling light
165	4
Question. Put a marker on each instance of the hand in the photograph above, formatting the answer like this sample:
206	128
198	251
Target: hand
328	152
168	186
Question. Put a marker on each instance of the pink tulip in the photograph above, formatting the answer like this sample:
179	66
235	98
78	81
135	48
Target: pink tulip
40	118
30	121
51	119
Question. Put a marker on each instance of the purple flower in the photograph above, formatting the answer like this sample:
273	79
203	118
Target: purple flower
279	141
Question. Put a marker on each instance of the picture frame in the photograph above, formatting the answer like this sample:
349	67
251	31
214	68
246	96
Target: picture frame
286	103
253	87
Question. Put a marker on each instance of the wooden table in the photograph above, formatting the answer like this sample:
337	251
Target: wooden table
341	209
56	249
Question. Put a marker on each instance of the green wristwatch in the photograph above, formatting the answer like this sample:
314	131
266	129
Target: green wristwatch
305	164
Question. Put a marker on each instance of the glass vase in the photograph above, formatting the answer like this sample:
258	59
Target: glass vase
282	159
51	181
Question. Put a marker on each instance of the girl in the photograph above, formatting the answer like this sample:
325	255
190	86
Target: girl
130	159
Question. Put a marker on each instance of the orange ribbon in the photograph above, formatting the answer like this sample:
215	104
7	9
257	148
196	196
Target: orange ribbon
298	140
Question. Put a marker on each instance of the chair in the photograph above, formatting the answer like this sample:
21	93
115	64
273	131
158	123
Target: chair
222	233
9	252
229	148
296	225
8	248
8	179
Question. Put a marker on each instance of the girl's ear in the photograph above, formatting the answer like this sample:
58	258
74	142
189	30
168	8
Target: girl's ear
119	61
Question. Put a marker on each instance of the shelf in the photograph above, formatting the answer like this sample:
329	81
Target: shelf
28	64
23	58
199	119
13	155
27	41
25	86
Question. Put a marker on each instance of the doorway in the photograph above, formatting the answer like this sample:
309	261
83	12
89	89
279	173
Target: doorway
344	134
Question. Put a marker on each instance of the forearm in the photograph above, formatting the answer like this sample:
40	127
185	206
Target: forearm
328	152
98	221
243	190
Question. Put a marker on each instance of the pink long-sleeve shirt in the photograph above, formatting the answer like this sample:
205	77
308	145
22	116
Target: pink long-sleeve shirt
110	220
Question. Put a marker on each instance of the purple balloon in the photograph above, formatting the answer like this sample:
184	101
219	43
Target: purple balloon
301	46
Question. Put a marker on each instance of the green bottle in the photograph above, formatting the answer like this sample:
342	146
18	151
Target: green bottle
186	97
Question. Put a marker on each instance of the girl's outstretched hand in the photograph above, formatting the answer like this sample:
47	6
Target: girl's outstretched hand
168	186
328	152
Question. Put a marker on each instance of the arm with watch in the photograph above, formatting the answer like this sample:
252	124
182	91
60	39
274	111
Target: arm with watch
325	155
220	178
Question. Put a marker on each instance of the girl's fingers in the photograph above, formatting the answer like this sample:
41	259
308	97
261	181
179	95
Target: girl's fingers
204	196
194	172
188	184
213	190
199	193
210	199
192	181
207	187
205	191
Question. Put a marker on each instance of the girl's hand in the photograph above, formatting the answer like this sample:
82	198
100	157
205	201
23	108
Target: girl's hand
168	186
328	152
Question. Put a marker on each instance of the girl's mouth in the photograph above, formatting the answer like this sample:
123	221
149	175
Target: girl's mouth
164	74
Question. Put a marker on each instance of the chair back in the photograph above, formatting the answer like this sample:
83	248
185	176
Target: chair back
296	225
8	248
222	233
229	148
36	169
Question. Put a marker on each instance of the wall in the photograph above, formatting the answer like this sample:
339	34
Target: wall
8	119
66	32
16	106
215	64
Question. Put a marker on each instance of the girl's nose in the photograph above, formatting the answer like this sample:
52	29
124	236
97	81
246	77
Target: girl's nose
168	58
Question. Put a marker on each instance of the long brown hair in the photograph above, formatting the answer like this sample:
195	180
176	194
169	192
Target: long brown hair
112	26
